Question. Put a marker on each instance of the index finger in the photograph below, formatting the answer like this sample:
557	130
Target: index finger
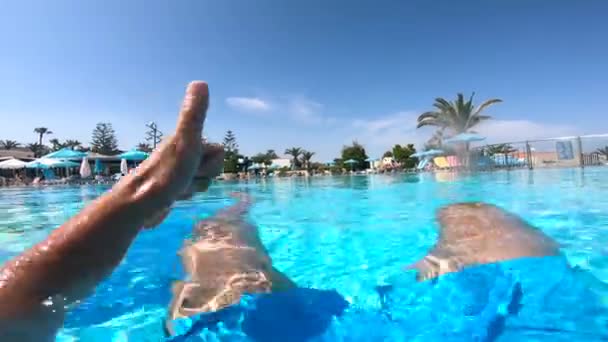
194	108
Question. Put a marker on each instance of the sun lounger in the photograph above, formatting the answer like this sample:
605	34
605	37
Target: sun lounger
453	161
441	162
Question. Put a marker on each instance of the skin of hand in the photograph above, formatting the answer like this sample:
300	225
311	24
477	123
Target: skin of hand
36	286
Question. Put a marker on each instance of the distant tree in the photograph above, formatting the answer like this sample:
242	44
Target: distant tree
355	152
272	154
38	149
231	149
262	158
42	131
337	166
56	145
458	116
230	144
306	157
72	144
258	158
144	147
295	153
154	135
318	166
387	154
104	139
603	151
8	144
403	155
500	148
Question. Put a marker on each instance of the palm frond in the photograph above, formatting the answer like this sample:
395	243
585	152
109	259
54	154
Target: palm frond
444	106
427	115
485	105
457	116
431	122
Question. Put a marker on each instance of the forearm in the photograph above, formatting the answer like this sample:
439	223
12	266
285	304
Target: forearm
82	252
76	256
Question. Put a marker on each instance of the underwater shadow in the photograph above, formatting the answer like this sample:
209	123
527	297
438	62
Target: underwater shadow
294	315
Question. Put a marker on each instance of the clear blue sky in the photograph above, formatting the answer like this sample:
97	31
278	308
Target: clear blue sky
314	74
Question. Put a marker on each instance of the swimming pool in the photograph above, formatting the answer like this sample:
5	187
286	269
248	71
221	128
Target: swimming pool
354	235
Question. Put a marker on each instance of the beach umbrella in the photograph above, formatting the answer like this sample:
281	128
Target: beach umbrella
98	166
85	168
134	155
65	153
12	164
36	164
464	138
254	167
124	169
45	163
59	163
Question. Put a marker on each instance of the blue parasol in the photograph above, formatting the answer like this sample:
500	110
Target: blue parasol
65	153
45	163
133	155
63	163
36	164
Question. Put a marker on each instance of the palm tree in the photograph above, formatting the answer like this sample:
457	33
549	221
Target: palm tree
458	116
500	148
272	154
41	132
603	151
9	144
144	147
39	150
72	144
306	157
295	152
56	145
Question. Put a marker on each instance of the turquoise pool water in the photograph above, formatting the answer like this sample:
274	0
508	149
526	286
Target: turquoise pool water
354	235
